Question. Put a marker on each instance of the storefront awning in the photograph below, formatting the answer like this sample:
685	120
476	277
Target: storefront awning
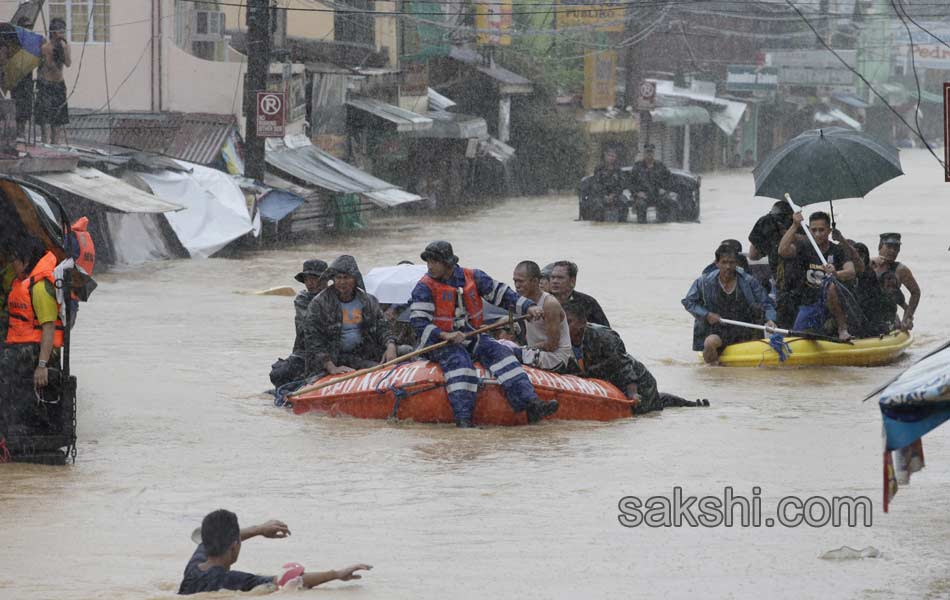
93	184
835	115
927	97
437	101
850	100
894	93
726	114
447	125
507	82
405	120
677	116
306	162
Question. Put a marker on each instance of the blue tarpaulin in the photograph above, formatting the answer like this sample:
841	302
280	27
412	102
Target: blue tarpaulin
277	204
915	403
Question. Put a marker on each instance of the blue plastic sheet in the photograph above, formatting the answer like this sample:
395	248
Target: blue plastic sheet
277	204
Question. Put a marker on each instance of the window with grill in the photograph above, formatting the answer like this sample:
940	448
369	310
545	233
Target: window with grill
86	20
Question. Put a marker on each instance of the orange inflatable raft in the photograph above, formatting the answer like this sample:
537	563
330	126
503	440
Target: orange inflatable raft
416	391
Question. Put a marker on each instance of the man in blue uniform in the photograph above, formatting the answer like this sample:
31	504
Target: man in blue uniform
447	304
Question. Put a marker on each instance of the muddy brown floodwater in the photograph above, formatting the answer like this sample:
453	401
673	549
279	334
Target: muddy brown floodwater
172	360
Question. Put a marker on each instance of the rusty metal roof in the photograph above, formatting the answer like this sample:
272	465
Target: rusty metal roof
194	137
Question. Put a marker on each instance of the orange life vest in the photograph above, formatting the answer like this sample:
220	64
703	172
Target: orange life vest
87	250
24	328
449	316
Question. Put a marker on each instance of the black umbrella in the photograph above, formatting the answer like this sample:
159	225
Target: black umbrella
822	165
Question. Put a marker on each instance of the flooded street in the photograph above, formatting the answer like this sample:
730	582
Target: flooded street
172	360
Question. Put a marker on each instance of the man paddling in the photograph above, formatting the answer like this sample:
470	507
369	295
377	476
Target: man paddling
726	293
819	294
209	568
446	304
548	340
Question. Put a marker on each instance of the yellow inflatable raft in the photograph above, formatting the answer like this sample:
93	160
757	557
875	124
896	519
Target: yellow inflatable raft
865	352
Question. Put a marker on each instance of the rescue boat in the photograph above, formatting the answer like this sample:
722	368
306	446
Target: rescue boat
863	352
416	391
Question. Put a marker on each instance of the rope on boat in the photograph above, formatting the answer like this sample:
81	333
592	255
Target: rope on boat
781	347
281	393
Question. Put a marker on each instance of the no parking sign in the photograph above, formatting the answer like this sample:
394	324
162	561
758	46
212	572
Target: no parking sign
271	111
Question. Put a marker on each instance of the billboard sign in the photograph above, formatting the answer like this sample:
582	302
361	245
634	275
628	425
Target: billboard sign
604	16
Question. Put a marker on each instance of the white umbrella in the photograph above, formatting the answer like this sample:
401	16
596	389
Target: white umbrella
393	285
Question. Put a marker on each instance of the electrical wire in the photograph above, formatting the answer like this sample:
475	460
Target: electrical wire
913	63
866	82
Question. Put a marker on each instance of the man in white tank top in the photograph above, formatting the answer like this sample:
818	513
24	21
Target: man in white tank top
549	340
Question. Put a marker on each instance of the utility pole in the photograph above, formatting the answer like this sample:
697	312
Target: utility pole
255	80
633	76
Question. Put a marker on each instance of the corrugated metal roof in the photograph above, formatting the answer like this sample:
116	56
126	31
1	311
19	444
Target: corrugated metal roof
308	163
508	82
194	137
405	120
93	184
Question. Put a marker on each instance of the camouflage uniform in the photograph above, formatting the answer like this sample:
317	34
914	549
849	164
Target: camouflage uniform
301	304
605	357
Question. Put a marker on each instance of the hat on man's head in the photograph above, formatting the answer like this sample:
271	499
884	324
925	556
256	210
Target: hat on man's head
440	251
891	238
547	270
649	147
314	266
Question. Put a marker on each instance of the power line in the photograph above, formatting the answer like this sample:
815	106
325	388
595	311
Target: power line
913	62
866	82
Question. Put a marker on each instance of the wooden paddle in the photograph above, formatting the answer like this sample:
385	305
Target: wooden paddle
802	334
318	386
283	290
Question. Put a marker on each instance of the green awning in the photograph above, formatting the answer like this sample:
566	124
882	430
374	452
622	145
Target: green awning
677	116
894	93
925	96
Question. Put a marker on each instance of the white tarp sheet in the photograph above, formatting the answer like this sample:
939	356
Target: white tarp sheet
137	238
215	209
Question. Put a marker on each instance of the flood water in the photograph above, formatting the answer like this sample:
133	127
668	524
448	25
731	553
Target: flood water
172	359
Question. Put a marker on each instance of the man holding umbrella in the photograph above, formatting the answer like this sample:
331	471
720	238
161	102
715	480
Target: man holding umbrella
447	304
819	294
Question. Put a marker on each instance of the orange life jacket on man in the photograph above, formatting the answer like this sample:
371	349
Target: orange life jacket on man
87	250
449	316
24	328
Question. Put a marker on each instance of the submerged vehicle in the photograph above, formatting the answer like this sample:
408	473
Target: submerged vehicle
684	190
863	352
416	391
44	431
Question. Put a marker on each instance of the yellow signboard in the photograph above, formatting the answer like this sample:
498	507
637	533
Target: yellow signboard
606	16
600	79
493	22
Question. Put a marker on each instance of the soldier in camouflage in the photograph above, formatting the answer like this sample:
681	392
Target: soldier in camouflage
600	353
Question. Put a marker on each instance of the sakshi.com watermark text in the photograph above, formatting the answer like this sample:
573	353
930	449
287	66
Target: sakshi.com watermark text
736	510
